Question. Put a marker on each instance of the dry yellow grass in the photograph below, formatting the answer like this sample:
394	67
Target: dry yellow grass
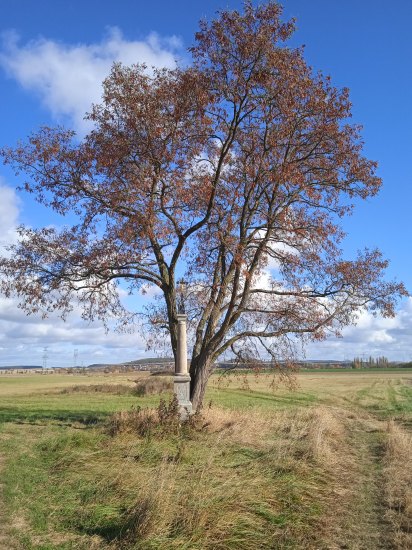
398	484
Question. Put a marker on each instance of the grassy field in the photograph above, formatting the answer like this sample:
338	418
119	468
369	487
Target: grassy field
88	464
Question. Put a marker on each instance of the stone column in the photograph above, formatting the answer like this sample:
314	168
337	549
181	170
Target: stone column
182	377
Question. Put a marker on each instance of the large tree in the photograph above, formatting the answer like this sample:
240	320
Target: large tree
233	171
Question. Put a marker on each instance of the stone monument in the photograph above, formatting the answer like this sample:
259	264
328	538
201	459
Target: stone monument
182	377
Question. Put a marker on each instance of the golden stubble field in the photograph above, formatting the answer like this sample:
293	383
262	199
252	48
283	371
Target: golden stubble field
88	463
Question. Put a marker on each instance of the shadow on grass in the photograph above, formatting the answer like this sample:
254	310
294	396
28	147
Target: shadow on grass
113	531
246	397
87	418
108	523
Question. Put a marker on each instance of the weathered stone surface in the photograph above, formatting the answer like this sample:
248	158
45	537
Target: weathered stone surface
181	360
182	378
182	391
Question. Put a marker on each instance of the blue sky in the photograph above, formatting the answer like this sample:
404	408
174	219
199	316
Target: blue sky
53	56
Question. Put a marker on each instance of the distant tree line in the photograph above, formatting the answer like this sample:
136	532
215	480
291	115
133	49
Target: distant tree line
371	362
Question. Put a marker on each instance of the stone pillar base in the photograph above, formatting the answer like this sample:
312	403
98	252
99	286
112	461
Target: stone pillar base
181	383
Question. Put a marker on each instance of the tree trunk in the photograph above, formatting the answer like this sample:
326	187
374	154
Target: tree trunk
200	370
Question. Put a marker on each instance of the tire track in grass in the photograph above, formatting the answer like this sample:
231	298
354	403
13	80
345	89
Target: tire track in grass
368	528
366	515
358	512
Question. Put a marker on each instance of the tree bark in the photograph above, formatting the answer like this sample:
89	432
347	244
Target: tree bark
200	370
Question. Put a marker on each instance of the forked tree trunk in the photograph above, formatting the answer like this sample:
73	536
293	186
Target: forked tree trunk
200	370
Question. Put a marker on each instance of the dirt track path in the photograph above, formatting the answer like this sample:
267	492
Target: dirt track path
368	443
363	525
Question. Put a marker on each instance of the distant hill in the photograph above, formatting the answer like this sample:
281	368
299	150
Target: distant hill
135	363
148	362
21	367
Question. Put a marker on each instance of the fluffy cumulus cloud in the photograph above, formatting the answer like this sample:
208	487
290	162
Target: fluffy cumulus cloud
23	340
372	336
68	77
9	213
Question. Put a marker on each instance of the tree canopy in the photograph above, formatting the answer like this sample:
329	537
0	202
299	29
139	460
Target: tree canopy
233	172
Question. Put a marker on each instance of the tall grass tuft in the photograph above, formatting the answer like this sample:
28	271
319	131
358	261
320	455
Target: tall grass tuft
165	420
152	386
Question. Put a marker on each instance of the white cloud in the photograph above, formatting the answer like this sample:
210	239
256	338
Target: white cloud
150	291
373	335
9	213
23	338
68	77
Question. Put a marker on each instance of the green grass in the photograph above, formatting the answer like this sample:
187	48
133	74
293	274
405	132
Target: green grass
375	370
387	399
86	408
42	398
235	398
